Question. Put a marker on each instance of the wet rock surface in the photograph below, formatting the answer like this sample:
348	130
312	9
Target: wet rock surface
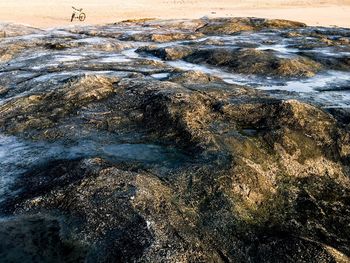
210	140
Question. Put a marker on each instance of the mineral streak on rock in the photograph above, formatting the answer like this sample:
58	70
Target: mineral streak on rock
159	145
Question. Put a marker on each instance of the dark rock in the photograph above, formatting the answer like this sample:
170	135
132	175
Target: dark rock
167	53
37	239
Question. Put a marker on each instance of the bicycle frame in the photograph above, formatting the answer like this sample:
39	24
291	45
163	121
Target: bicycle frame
78	14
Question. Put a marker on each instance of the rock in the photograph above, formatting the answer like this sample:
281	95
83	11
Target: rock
235	25
3	90
252	61
280	24
173	37
330	62
161	38
137	20
37	238
193	77
342	115
102	162
12	30
158	220
42	111
177	24
167	53
10	51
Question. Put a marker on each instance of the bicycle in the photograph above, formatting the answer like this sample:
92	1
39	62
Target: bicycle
78	14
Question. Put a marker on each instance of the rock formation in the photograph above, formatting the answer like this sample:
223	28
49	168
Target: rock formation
127	154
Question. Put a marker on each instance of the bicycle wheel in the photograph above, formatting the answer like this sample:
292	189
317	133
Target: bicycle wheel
82	17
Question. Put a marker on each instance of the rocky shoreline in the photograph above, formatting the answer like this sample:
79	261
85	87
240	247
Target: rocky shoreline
210	140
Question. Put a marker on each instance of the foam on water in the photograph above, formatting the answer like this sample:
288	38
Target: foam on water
67	58
160	76
91	41
328	79
131	53
281	50
330	52
231	78
114	59
319	88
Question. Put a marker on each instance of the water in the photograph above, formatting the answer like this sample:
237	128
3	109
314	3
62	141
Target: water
160	76
147	153
17	156
308	88
114	59
281	50
321	81
67	58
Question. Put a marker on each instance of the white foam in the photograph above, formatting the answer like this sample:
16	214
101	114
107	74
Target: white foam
230	78
67	58
327	79
114	59
160	75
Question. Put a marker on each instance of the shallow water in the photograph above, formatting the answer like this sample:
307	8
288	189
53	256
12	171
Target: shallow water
148	153
114	58
306	88
17	156
160	76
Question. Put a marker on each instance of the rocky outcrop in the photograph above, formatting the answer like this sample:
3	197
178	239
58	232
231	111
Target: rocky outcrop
253	158
245	60
235	25
167	53
251	61
44	110
11	30
161	164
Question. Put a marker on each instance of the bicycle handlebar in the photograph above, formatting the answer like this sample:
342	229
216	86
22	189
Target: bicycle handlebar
80	9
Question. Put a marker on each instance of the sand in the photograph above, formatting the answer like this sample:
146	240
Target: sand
51	13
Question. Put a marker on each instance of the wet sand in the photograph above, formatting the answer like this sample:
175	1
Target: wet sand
47	14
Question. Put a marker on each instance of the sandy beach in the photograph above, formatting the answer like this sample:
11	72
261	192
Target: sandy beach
50	13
